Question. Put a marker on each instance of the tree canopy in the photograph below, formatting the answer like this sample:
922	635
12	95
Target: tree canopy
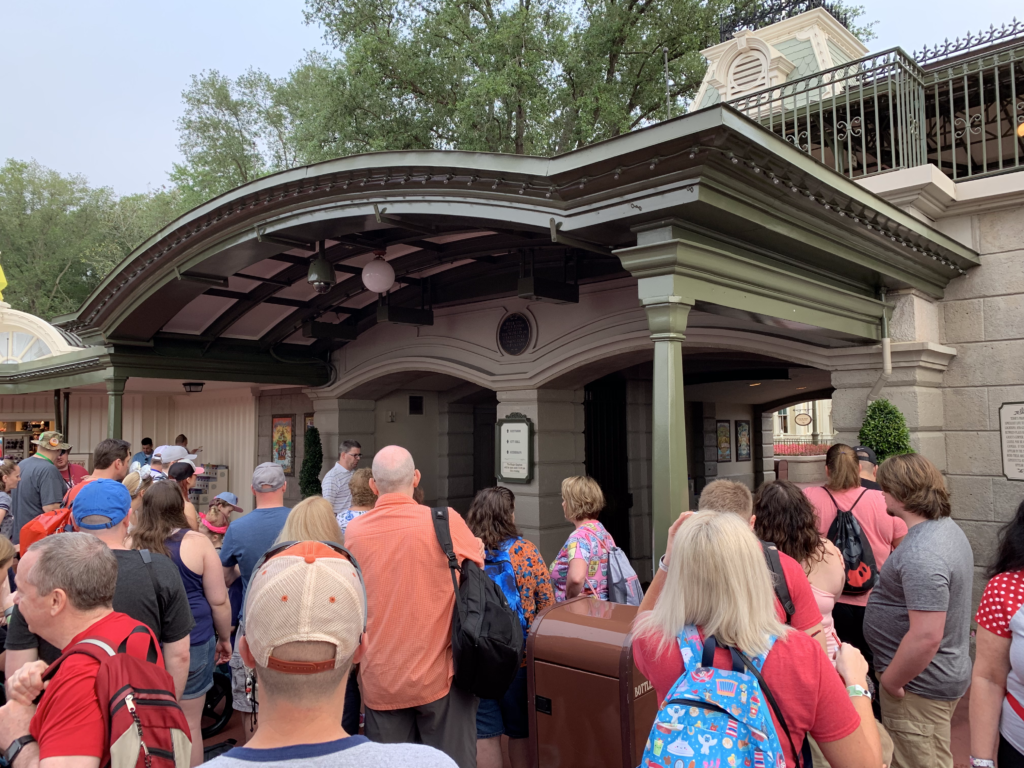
539	77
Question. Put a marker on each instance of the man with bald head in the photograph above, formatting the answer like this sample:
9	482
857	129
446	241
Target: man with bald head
405	676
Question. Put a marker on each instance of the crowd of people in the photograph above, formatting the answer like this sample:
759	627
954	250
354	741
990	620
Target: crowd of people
335	616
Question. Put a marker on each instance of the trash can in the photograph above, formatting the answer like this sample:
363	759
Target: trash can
589	706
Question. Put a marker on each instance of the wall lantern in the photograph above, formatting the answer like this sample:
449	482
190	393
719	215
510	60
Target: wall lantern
378	275
193	386
321	271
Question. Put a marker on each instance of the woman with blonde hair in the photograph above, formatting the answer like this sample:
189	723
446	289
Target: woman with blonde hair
312	519
724	591
137	483
882	531
582	563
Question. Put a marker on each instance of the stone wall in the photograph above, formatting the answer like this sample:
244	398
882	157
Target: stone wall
982	316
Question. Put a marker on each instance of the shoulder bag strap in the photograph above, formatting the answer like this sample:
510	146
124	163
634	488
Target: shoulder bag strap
826	490
771	556
439	516
858	499
800	754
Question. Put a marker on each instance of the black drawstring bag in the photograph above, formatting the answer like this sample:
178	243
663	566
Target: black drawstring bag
858	558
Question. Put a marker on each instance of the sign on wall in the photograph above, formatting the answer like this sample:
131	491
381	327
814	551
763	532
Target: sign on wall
1011	434
513	455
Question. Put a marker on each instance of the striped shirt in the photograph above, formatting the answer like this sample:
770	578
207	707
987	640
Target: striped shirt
335	489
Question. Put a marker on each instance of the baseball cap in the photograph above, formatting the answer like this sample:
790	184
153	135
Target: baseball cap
307	592
228	498
103	497
52	441
268	477
865	454
171	453
180	470
158	454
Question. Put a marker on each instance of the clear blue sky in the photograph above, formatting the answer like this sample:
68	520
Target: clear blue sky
95	88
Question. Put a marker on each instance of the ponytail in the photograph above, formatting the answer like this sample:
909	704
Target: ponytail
843	468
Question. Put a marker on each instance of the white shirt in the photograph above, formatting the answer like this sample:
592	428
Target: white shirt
335	488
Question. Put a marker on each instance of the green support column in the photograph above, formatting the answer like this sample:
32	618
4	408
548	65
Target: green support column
115	411
666	316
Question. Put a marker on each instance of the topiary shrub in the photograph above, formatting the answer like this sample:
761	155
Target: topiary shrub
312	463
885	430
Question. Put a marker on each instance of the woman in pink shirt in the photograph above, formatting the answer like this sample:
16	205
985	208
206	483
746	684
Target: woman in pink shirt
882	531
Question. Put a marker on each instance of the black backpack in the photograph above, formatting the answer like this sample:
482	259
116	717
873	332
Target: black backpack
487	637
771	557
858	557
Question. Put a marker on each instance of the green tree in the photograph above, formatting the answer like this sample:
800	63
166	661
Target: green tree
312	464
59	237
538	77
885	430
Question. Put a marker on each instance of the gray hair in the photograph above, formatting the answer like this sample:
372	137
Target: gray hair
393	469
348	445
80	565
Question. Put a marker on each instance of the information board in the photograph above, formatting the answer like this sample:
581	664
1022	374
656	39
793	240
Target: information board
514	449
1011	434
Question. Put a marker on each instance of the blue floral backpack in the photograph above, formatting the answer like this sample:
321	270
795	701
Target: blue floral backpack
498	567
716	718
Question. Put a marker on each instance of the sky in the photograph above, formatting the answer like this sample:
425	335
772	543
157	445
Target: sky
95	88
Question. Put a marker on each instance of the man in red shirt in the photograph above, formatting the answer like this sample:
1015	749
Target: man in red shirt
65	592
731	496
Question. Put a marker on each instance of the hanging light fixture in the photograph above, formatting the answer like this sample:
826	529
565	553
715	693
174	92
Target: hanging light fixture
193	386
321	271
378	275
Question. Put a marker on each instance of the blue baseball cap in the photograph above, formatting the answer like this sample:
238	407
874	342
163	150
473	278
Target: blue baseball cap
228	498
103	497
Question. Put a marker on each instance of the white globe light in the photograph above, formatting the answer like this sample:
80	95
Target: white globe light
378	276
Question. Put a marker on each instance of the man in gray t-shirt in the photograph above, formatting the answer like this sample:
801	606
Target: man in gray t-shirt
918	616
41	487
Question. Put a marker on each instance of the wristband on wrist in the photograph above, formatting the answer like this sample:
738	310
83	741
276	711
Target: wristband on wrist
857	690
662	566
979	763
8	758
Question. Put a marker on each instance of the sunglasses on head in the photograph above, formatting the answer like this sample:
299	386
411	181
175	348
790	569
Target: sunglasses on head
279	548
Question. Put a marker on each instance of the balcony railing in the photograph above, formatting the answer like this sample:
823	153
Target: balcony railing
885	112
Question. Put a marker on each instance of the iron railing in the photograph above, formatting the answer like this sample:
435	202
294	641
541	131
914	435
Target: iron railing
885	112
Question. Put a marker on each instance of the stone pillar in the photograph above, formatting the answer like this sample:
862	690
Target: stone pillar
763	441
115	406
666	315
339	419
558	452
704	443
455	455
638	451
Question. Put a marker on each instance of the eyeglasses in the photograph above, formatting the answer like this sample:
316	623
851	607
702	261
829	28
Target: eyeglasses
63	453
356	456
279	548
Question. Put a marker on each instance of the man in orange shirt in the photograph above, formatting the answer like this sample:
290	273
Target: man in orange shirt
406	673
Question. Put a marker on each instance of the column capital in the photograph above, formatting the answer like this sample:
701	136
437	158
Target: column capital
115	385
667	317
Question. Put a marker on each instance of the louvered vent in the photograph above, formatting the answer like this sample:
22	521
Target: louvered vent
748	73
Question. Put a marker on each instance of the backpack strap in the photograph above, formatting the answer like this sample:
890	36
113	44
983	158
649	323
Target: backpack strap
838	509
133	644
439	516
771	557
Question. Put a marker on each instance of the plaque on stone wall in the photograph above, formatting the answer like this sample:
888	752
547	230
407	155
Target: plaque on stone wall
514	334
514	450
1011	434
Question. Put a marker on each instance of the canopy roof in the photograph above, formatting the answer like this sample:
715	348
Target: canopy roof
223	289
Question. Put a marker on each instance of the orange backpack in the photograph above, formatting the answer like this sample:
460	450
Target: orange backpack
56	521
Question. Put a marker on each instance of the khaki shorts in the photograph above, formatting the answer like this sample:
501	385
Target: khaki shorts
920	730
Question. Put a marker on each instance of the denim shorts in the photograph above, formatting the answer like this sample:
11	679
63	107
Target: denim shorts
506	715
200	669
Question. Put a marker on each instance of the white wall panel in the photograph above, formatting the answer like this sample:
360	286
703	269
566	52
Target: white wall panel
223	423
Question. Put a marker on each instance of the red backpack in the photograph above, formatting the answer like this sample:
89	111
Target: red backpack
56	521
145	726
